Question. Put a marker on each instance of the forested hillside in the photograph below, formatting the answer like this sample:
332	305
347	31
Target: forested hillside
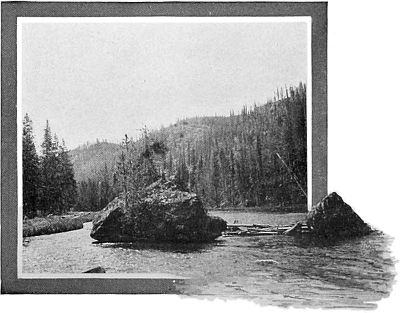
227	160
233	160
88	159
94	165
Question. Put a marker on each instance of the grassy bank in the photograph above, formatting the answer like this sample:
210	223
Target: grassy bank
56	224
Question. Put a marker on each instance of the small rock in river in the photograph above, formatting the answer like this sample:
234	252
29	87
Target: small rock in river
333	218
97	269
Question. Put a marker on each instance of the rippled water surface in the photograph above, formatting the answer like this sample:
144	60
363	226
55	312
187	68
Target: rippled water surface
277	270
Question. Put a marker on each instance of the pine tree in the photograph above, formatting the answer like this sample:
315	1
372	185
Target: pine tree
124	173
215	178
30	169
48	165
148	171
106	192
58	186
182	173
83	196
67	181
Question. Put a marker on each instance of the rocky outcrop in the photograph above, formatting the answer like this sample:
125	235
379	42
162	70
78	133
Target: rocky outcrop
108	224
333	218
163	213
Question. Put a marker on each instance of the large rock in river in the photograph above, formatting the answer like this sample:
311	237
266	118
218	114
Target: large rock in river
333	218
108	223
164	213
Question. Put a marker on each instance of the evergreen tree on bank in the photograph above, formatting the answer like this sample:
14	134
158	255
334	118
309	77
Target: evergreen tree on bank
67	181
30	169
48	167
58	185
49	186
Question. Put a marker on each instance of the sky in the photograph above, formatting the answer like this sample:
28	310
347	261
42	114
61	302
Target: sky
103	80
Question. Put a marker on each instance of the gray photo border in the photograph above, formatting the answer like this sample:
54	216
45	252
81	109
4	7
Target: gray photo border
10	283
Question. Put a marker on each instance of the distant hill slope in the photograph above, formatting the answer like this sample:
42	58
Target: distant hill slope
189	130
90	159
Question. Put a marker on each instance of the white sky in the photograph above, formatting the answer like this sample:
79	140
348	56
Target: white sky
104	80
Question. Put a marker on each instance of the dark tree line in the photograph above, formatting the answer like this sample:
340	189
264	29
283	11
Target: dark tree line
49	185
96	192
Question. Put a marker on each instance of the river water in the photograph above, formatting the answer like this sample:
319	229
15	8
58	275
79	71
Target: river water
273	270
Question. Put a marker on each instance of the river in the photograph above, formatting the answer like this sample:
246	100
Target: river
296	272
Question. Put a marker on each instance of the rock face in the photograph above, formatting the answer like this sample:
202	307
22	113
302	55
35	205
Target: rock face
333	218
108	223
164	213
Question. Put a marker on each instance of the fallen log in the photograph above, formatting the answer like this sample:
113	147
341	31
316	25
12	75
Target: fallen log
250	234
266	262
249	225
294	230
265	226
248	230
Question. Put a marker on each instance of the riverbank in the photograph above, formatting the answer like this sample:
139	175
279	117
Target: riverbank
56	223
74	220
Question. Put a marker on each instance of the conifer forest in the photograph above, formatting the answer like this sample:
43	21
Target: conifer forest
257	157
49	186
